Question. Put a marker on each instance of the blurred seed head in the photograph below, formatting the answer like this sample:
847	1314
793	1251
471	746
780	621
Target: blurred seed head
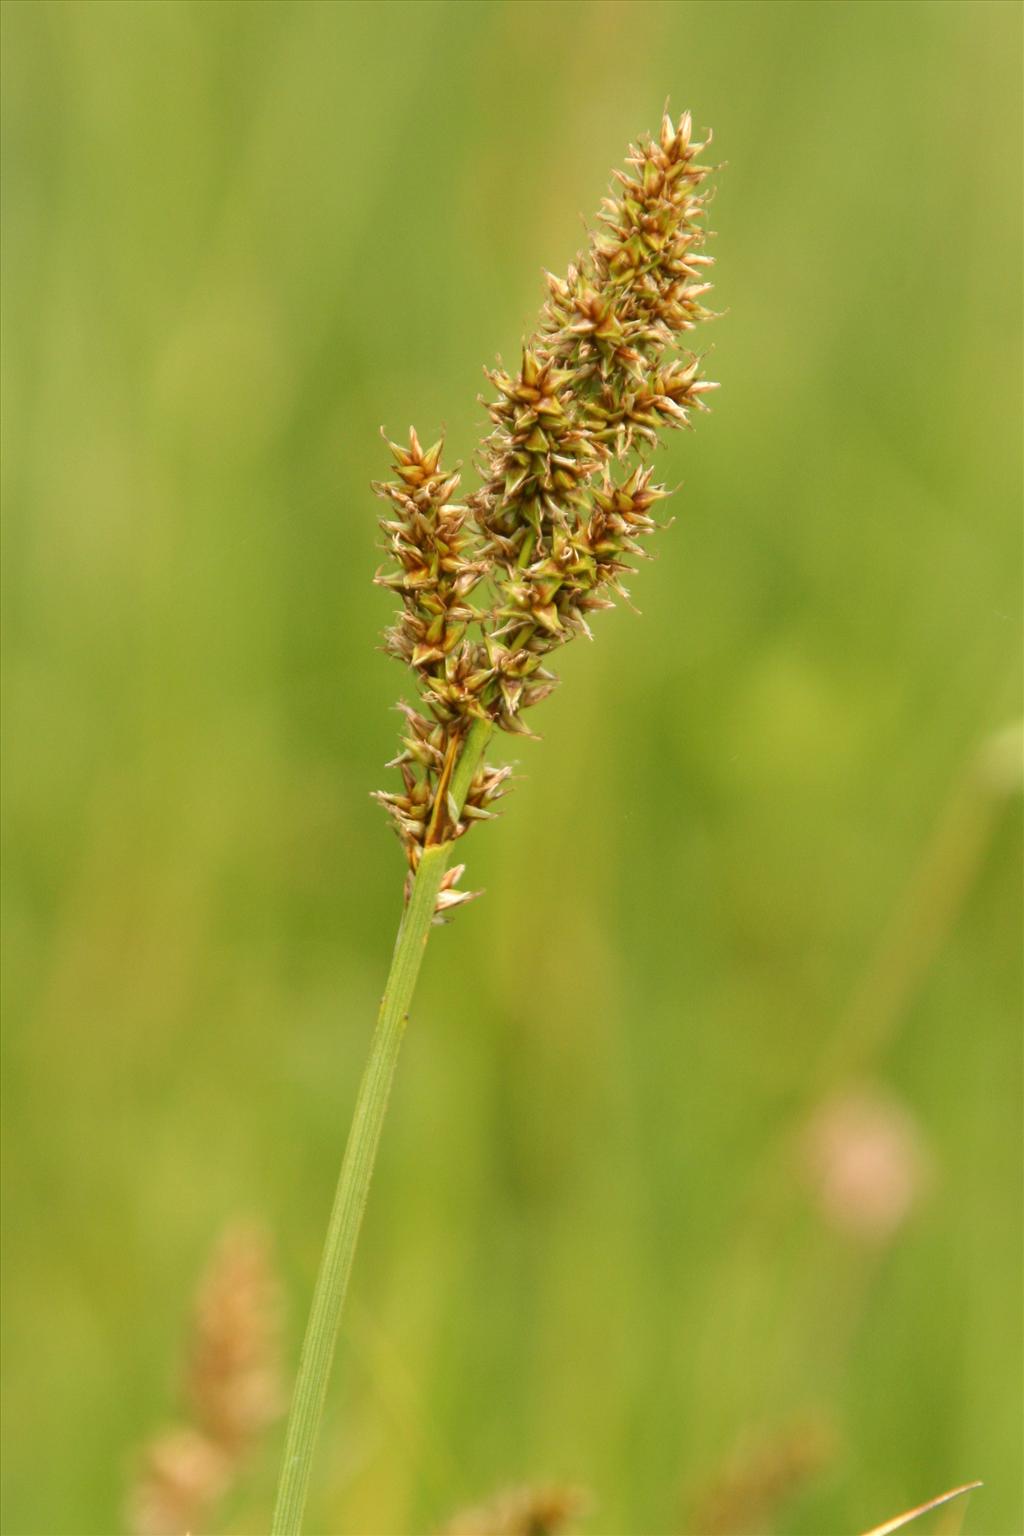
551	1510
864	1158
183	1477
233	1386
234	1382
748	1495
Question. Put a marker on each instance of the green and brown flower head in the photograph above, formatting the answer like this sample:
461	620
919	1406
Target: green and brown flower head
491	587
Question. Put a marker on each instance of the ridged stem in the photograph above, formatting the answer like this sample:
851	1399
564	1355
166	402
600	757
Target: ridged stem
360	1156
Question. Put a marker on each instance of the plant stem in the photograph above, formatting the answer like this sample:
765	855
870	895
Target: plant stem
360	1155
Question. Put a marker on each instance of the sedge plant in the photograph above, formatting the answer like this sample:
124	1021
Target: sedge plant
492	586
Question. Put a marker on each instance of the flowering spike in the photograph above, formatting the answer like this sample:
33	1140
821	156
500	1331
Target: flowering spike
561	512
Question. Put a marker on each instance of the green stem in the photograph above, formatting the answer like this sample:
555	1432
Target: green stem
360	1155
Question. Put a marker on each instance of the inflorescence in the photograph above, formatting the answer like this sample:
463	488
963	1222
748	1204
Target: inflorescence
490	587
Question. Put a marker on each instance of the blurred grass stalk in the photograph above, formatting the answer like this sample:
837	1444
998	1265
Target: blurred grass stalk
360	1156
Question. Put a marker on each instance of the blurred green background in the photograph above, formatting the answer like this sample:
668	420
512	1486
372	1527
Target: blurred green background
767	852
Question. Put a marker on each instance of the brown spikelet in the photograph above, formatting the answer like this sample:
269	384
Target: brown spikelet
550	1510
182	1479
233	1389
234	1375
749	1493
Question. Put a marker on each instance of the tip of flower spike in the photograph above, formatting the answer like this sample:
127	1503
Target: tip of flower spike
425	460
594	383
531	365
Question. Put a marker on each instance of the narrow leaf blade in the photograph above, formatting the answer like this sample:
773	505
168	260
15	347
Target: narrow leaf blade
899	1521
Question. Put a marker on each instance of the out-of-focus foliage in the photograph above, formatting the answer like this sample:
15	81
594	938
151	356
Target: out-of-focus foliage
756	894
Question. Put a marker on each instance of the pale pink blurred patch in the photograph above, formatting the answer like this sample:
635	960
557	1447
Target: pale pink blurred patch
865	1159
